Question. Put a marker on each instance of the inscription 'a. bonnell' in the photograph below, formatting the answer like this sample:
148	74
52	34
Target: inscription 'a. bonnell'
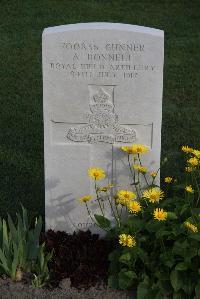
103	124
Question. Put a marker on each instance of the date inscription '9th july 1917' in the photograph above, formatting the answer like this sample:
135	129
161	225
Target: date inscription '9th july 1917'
103	125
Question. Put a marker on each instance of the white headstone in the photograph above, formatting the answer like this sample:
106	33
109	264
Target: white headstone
102	88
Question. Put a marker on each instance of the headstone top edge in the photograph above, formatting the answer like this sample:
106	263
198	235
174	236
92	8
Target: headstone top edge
103	26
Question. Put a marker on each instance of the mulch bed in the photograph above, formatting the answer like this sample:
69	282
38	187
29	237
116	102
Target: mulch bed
23	290
82	257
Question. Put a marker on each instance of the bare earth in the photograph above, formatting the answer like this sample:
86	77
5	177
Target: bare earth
19	290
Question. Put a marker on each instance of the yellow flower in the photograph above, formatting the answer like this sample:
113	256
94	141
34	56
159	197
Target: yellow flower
187	149
96	173
125	195
135	149
127	240
193	161
168	179
140	149
105	188
153	194
134	207
153	174
140	168
196	153
160	214
191	226
189	189
189	169
85	198
127	149
123	202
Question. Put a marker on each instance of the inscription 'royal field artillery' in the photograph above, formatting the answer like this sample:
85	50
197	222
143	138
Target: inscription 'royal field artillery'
103	123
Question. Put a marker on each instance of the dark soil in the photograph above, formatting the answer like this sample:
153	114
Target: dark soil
16	290
82	257
78	270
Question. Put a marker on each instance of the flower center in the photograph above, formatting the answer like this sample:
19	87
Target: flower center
126	195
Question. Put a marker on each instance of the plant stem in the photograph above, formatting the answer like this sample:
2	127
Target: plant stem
143	173
140	187
98	199
187	197
133	175
116	218
116	207
197	189
155	176
163	245
88	210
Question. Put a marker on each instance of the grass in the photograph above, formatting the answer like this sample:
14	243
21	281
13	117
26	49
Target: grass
21	135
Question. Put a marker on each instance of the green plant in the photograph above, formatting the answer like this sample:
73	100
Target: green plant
19	246
157	231
41	270
9	252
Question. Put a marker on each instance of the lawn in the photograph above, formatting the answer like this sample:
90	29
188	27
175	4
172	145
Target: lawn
21	135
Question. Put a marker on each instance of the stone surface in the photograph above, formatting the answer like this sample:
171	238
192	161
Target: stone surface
102	87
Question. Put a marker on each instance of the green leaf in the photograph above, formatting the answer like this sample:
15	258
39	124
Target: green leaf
5	235
125	258
143	255
113	281
12	229
4	262
114	255
42	257
126	278
180	248
142	291
171	216
1	233
14	262
37	229
181	267
179	186
21	233
167	259
194	236
164	285
196	211
25	218
22	255
188	283
153	226
184	209
175	280
197	290
102	221
178	230
177	295
135	224
157	295
188	287
162	233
